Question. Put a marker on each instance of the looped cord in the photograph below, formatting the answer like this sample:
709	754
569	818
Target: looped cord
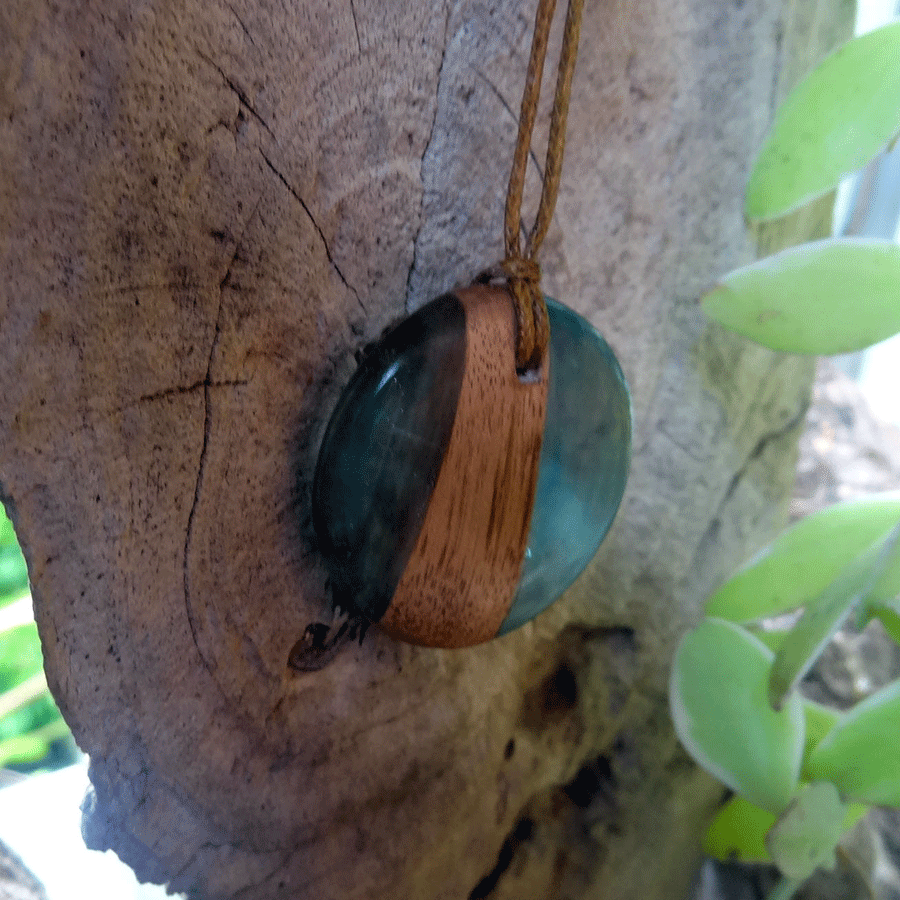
523	279
523	275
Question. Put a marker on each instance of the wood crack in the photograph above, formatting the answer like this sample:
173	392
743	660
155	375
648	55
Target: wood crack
496	92
198	487
241	23
768	438
712	530
180	390
207	384
318	228
428	143
238	91
355	27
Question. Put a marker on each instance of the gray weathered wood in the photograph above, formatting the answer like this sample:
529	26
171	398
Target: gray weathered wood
205	207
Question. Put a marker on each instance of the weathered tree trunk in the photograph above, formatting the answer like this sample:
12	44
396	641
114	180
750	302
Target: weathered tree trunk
205	208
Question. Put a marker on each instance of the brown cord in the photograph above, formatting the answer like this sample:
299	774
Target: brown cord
523	275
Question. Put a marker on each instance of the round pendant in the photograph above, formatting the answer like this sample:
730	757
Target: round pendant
454	501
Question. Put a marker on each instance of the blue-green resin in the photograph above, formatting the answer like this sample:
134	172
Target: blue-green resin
584	463
382	452
387	437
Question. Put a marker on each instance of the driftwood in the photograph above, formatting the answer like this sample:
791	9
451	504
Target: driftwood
205	209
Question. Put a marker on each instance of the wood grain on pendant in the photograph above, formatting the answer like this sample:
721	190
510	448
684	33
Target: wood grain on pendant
462	575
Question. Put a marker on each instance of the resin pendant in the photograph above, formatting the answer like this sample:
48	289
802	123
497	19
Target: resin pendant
454	501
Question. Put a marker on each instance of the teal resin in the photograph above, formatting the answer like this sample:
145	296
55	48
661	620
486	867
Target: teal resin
386	440
584	463
382	452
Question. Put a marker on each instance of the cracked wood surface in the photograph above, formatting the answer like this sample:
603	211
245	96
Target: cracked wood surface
205	208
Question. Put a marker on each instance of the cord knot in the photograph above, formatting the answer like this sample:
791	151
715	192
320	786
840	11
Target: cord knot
523	278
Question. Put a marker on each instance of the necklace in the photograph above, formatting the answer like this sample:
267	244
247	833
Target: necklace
478	456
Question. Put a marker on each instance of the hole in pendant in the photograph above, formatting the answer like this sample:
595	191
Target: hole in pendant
530	376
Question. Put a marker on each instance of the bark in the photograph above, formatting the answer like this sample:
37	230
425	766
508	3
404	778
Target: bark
205	208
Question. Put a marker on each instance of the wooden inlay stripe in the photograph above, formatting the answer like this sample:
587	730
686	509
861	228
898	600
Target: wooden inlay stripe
459	582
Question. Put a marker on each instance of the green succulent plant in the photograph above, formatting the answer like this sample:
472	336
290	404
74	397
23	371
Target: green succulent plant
803	774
